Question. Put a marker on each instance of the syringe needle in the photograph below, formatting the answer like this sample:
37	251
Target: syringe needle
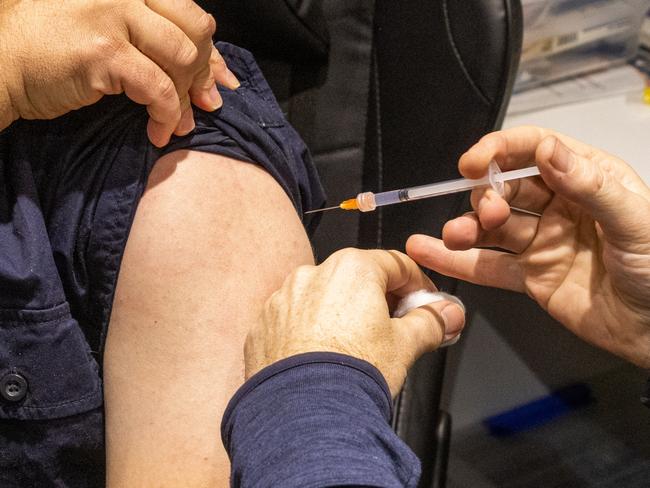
350	204
322	209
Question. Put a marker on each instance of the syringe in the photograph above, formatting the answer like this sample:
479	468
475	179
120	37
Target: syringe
369	201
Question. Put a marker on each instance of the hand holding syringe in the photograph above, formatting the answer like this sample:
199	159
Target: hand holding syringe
369	201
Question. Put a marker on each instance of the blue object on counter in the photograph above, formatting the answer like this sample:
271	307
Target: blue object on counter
539	412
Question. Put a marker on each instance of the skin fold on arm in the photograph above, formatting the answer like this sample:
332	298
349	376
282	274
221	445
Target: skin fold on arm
212	239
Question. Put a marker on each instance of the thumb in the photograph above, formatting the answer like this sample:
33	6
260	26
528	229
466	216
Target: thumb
589	184
426	327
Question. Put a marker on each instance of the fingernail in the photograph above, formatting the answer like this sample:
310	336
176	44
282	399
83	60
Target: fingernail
452	298
450	340
233	82
562	158
453	314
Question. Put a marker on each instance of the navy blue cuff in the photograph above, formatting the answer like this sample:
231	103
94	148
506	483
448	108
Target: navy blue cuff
308	358
316	420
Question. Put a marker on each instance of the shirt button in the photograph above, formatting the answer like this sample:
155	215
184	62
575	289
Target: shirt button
13	387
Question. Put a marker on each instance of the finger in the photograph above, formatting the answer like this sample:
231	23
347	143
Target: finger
199	27
204	93
479	266
144	82
197	24
426	327
622	214
466	232
186	124
511	149
220	71
398	274
492	210
530	194
170	49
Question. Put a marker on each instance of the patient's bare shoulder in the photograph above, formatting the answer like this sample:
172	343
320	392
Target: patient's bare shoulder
212	238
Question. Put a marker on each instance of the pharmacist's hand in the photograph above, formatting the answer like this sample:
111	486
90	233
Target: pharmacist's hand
586	260
343	306
59	56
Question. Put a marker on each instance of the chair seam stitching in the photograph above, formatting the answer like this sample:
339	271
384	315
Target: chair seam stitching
459	58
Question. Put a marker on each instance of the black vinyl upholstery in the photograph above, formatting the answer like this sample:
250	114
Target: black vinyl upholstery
443	75
387	94
291	30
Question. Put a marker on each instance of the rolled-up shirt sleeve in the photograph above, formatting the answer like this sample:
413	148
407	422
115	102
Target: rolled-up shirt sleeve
316	420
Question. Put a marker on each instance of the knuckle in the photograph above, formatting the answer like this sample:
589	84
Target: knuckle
205	26
302	273
105	47
349	257
349	254
353	264
394	253
185	54
165	88
164	98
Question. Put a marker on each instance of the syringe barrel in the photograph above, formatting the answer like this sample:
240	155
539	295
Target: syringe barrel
444	188
389	197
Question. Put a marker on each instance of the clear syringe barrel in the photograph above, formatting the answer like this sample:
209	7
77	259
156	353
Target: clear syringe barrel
368	201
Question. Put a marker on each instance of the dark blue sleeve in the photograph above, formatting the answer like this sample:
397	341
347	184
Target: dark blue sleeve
316	420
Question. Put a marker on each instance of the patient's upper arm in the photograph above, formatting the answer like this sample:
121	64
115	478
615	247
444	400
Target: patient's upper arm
212	239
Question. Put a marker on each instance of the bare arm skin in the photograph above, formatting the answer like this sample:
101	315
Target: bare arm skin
211	240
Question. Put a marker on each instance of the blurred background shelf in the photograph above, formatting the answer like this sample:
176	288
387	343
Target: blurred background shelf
512	353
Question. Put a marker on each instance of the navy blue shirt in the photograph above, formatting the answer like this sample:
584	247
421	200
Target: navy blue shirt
69	189
316	420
